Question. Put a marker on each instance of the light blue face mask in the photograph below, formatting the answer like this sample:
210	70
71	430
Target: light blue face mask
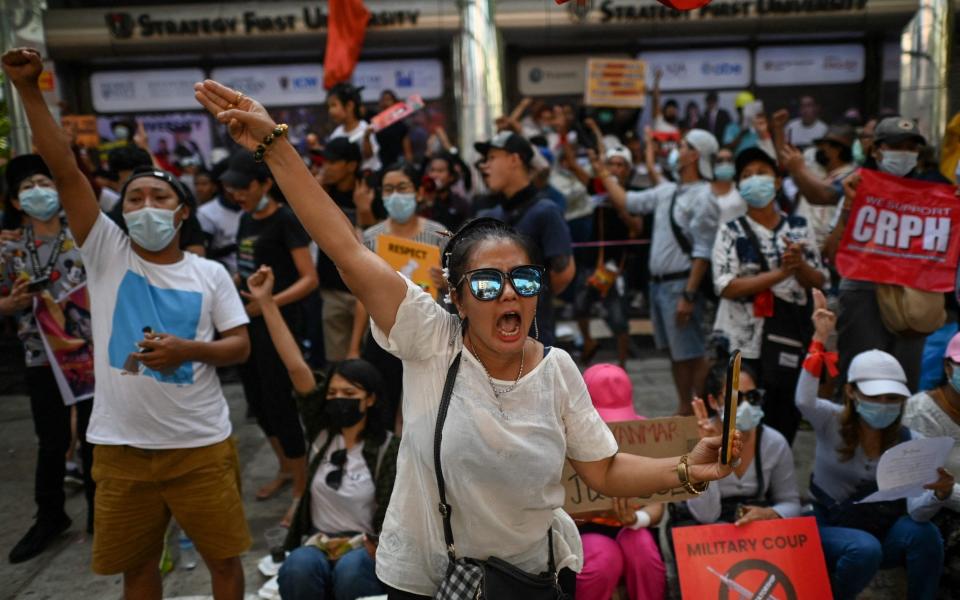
898	162
673	160
748	416
758	191
878	415
152	228
857	150
955	379
724	171
400	207
262	204
40	202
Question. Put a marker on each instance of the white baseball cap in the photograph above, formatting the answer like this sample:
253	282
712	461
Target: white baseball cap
877	373
706	145
619	152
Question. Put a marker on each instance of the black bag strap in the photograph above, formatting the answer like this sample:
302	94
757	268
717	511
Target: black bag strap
752	236
446	510
682	240
758	465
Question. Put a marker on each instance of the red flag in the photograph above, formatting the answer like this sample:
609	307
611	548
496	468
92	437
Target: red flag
346	28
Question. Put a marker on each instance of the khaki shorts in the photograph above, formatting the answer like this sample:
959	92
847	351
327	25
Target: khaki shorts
337	315
138	490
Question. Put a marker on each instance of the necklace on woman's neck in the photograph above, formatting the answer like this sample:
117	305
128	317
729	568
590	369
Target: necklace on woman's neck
499	390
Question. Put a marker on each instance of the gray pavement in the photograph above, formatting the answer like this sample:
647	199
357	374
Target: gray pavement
64	570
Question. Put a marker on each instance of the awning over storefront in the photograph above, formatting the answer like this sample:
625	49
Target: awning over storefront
233	27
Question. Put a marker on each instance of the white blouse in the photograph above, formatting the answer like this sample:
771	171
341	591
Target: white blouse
924	415
502	457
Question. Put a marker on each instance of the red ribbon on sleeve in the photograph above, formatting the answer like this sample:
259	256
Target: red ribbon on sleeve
817	357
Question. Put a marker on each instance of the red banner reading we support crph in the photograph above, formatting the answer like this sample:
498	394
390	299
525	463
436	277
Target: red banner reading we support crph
903	232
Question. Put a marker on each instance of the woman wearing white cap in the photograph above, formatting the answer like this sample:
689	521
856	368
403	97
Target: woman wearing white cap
937	413
859	539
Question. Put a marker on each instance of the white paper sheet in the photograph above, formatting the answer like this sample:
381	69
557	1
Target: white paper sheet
904	469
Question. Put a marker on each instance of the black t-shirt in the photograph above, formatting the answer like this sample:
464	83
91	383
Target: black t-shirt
614	230
269	242
540	219
327	271
450	211
391	142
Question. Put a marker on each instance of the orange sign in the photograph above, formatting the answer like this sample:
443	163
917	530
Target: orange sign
778	559
656	438
412	259
615	82
47	81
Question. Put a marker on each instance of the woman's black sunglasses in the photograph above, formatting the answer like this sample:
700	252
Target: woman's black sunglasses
487	284
754	397
339	460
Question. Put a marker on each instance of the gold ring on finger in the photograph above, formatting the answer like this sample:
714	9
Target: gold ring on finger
239	98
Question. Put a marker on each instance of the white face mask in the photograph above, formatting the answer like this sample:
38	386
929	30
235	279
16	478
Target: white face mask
898	162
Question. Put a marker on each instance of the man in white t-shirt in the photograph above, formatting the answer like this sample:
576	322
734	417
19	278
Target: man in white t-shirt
802	131
220	219
160	421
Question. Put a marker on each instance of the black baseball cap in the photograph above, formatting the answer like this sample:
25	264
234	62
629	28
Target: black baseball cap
242	168
341	148
21	167
509	142
754	154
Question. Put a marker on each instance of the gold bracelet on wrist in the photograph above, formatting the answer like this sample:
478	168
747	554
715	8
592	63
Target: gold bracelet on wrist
683	474
279	131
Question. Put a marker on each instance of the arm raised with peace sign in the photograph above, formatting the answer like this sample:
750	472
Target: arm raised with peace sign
369	277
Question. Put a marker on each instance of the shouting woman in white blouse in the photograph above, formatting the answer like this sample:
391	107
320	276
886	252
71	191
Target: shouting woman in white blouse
517	410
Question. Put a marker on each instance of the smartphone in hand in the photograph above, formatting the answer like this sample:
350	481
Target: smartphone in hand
731	393
38	285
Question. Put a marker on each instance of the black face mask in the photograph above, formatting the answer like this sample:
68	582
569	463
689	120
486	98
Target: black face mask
342	412
822	158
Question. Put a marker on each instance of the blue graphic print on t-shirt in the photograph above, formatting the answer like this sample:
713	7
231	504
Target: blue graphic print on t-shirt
139	305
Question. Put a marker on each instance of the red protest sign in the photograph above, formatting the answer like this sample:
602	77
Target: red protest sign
902	232
396	112
780	558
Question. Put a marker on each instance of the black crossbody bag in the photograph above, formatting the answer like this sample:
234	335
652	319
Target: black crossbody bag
468	578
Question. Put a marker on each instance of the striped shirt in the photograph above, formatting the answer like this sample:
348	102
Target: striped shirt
431	233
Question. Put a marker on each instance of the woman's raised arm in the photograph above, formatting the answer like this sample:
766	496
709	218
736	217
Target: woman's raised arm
369	277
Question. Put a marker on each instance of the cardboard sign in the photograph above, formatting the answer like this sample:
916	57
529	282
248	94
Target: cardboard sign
616	83
412	259
67	336
779	558
395	113
656	438
903	232
84	128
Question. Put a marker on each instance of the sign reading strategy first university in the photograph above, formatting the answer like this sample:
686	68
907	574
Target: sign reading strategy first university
656	438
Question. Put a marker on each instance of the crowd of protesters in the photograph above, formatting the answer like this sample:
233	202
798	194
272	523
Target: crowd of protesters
721	229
